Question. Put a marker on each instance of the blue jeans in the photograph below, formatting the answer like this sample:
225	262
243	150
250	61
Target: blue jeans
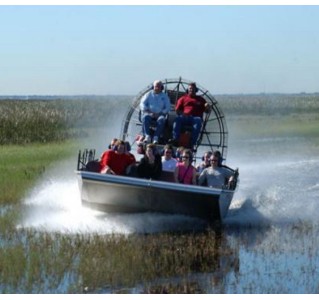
180	121
160	123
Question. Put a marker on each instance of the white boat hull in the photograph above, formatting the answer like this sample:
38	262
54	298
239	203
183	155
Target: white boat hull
111	193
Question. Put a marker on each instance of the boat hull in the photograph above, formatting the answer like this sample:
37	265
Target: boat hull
110	193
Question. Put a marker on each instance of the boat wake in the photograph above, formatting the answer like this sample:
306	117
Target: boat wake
56	207
277	191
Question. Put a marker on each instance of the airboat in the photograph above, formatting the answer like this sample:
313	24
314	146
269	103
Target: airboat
127	194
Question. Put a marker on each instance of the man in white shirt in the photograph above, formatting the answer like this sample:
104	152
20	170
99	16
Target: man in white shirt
168	162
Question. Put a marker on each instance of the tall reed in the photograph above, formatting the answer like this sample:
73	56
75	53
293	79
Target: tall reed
43	121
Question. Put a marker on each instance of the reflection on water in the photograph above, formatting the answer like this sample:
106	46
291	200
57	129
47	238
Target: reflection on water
271	229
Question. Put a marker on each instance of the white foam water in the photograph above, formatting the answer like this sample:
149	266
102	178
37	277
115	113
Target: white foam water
55	206
281	189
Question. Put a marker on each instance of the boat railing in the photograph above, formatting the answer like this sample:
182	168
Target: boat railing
84	157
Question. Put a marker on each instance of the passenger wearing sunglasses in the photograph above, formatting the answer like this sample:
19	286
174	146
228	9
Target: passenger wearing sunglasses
205	163
216	175
168	161
185	172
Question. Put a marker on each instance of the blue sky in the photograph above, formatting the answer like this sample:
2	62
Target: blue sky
68	50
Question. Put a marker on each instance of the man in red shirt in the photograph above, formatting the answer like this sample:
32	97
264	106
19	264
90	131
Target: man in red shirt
117	160
190	109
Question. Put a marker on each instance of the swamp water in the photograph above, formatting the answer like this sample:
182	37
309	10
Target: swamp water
268	243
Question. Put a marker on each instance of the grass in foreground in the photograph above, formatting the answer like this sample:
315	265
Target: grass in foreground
46	263
34	262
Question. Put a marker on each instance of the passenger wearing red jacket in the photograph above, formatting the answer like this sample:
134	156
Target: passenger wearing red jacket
116	161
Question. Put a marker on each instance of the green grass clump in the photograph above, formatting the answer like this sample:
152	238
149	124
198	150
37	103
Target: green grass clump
20	166
44	263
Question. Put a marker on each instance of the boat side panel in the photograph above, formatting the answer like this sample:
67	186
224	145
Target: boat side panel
117	197
112	197
184	202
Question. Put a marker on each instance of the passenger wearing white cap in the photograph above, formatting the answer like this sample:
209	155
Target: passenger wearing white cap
154	105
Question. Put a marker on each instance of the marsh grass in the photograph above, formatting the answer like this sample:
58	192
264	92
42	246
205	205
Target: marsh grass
21	165
303	125
42	262
44	121
269	104
34	262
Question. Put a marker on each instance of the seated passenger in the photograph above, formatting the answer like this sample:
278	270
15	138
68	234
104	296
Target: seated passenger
116	161
185	172
112	144
150	166
205	162
216	175
190	109
154	105
179	153
130	170
128	149
168	161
